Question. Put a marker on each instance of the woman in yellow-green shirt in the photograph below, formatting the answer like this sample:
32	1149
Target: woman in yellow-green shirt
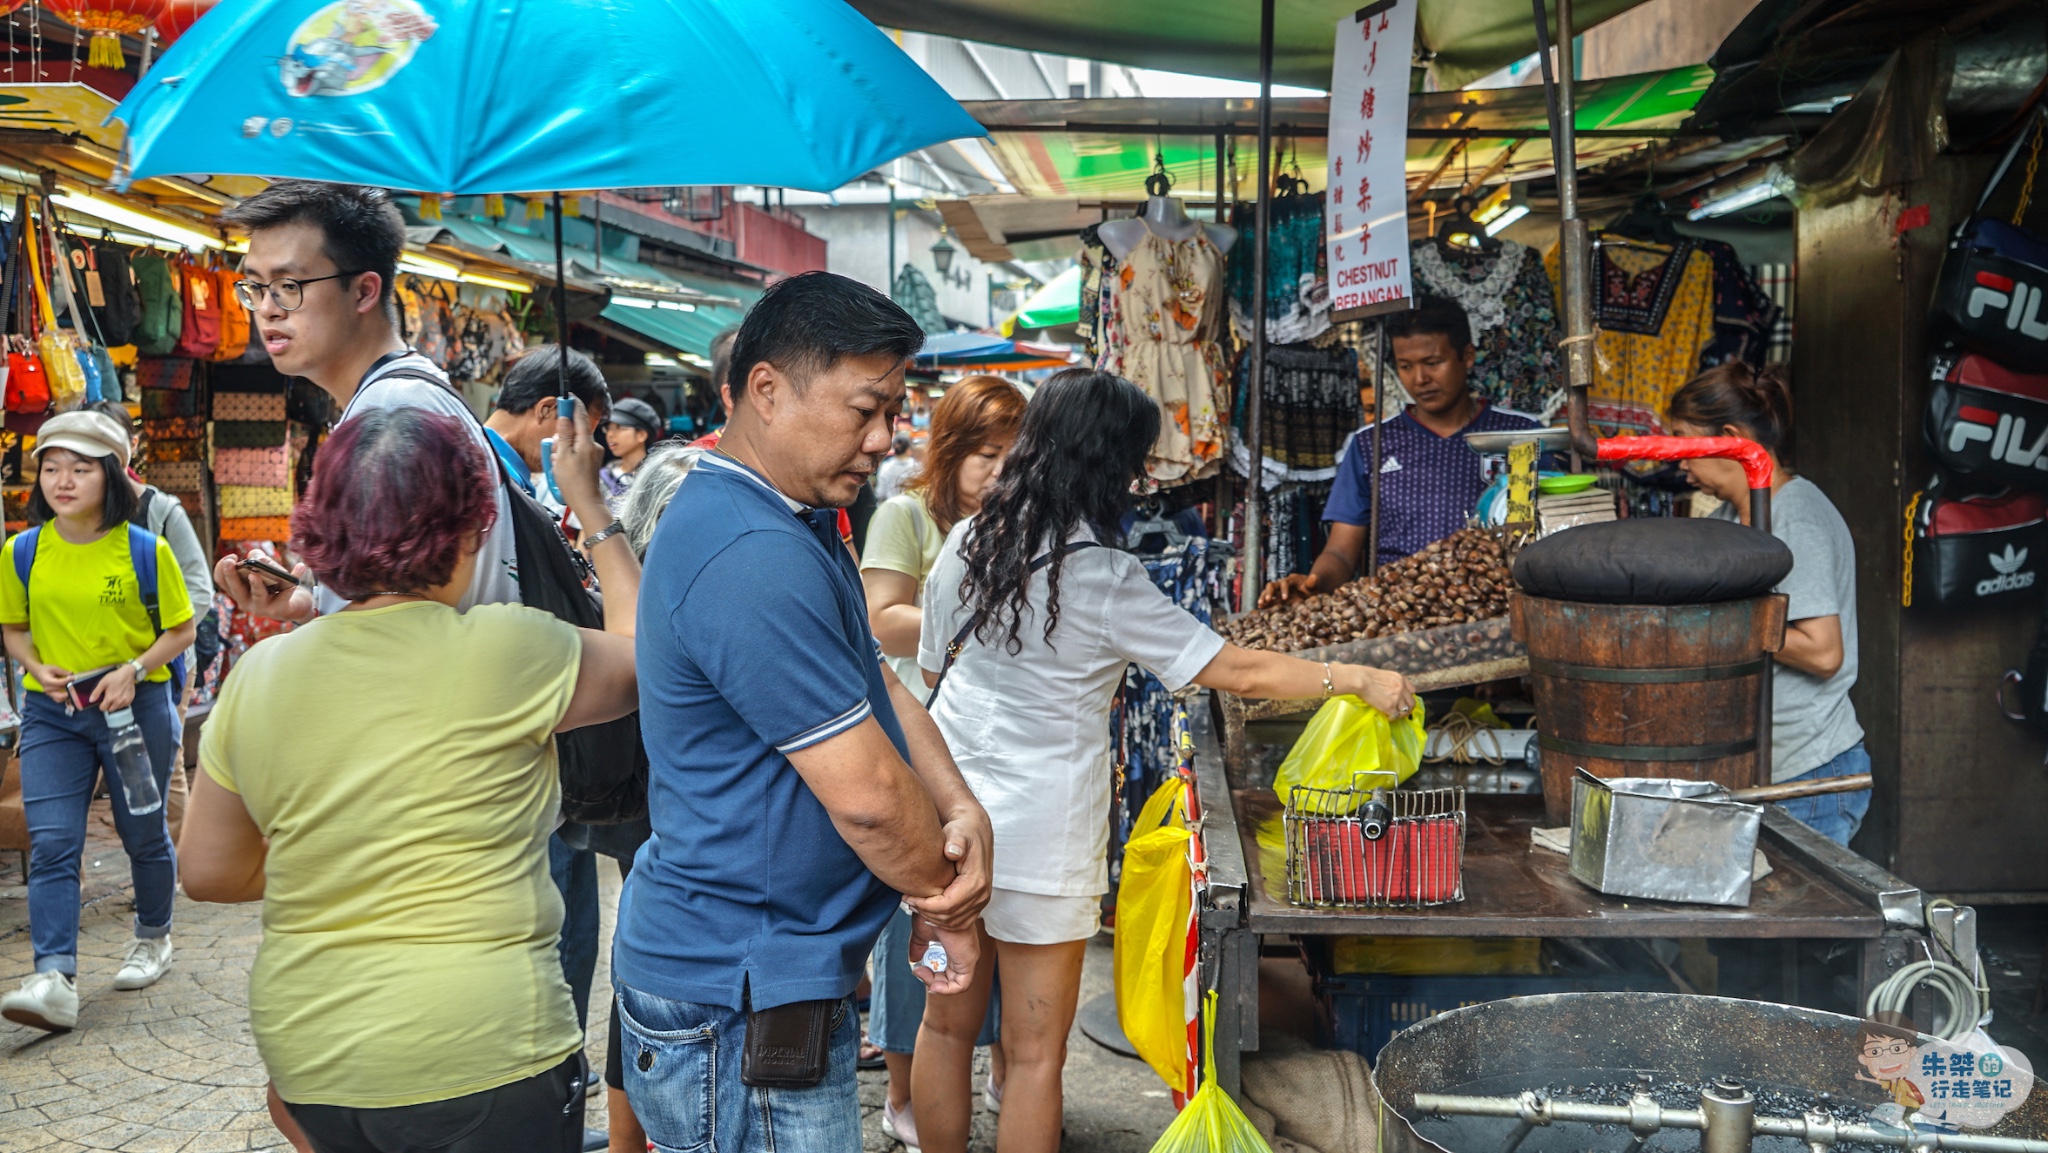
972	427
82	630
384	780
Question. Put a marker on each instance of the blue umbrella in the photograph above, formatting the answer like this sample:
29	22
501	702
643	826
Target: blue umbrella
479	96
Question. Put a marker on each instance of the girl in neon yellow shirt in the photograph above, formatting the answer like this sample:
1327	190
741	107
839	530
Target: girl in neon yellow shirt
82	611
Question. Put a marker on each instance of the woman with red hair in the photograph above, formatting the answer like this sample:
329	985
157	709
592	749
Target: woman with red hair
383	779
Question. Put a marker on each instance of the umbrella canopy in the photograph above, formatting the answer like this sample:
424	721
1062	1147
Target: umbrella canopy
1057	302
980	351
479	96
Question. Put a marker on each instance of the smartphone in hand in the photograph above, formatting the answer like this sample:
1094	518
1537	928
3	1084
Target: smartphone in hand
81	686
273	574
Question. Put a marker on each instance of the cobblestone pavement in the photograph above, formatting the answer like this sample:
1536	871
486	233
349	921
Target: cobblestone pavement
172	1068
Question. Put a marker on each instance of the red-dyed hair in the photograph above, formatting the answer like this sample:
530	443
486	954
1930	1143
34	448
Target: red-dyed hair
395	494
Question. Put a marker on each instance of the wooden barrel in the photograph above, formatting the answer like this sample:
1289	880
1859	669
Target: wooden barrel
1647	690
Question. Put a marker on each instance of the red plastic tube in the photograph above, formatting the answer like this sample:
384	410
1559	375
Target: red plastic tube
1756	463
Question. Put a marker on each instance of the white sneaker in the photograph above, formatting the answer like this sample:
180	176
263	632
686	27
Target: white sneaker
900	1127
147	959
44	1001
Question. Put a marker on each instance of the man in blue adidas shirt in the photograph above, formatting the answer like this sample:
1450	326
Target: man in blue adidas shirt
1430	479
796	786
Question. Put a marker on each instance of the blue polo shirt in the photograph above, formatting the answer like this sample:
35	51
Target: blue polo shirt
753	643
1430	482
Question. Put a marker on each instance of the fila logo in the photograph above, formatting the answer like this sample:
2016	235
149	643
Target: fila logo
2006	432
2020	302
2009	578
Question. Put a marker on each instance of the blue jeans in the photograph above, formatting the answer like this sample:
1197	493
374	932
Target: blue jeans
1835	816
682	1065
61	759
575	874
897	1007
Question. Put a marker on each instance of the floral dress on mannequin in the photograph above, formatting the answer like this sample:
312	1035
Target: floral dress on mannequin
1169	300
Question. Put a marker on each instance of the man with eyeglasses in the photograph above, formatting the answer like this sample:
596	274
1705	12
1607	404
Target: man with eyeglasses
318	279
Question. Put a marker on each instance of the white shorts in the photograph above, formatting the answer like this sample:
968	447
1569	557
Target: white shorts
1036	919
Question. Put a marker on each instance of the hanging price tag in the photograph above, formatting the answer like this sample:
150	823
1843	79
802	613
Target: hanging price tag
1522	483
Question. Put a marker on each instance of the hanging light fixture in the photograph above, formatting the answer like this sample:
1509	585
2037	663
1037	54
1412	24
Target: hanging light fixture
108	21
942	254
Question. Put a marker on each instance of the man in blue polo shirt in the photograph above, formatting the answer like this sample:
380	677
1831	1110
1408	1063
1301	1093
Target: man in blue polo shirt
796	786
1430	479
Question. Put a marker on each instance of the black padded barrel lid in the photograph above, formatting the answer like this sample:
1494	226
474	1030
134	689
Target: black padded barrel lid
1654	561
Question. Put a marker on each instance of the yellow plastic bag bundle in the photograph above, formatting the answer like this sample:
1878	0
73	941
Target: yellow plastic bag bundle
1347	737
1212	1122
1153	917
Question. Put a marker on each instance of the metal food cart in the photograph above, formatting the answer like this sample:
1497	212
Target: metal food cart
1817	890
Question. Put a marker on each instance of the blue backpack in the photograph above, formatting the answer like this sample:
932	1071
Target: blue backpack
142	557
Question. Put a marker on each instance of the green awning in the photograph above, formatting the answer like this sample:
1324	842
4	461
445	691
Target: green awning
1057	302
690	332
1060	161
1470	38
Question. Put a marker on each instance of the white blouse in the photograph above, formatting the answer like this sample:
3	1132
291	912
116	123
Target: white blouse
1030	732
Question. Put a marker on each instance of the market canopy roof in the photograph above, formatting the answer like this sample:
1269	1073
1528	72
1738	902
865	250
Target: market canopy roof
980	351
1469	38
688	332
1067	157
1057	302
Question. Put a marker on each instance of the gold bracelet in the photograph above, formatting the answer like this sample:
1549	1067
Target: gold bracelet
1329	682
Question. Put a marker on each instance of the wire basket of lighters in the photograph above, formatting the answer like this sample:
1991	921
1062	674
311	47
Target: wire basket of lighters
1373	846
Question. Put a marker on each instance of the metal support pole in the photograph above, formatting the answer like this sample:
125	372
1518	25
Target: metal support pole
561	308
1576	250
1379	410
889	264
1220	518
1255	432
1760	517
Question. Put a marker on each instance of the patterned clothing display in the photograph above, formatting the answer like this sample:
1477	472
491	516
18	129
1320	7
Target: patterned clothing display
1297	273
1308	405
254	406
1197	575
1512	306
1655	317
270	528
1295	531
1097	266
264	467
1745	316
1169	307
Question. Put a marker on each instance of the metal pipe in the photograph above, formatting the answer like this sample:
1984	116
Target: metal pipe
1575	244
1379	412
1760	517
1730	1113
1805	1129
561	309
1255	495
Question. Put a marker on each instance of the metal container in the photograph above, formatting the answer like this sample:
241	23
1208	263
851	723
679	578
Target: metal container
1665	839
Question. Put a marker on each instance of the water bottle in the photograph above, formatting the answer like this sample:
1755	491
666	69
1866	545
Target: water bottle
131	763
935	957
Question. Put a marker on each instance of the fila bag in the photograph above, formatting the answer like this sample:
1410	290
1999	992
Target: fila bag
1986	420
1989	295
1975	550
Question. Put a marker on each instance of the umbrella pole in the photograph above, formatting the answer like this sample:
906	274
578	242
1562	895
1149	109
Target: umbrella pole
1254	419
561	310
1575	243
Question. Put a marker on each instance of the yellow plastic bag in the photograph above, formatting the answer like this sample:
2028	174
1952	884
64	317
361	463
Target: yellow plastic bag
1212	1122
1347	737
1153	915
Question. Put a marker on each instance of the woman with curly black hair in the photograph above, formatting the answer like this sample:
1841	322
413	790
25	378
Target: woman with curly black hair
1040	613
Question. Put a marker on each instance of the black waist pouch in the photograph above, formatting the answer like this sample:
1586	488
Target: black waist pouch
787	1046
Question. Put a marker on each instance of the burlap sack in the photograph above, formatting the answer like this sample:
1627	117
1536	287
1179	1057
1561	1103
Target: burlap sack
13	821
1320	1100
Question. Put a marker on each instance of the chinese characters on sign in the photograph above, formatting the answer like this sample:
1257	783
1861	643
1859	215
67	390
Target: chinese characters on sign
1969	1084
1368	234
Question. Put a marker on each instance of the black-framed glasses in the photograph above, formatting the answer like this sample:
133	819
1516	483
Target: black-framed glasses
288	293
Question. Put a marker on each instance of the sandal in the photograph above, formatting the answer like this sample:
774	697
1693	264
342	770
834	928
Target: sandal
871	1055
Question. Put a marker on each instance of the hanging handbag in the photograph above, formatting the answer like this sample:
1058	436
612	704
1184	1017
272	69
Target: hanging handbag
28	390
1966	551
58	349
1988	297
1986	420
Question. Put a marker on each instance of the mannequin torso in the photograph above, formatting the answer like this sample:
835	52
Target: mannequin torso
1167	218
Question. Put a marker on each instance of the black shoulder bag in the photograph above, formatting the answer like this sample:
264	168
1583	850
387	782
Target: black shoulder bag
603	767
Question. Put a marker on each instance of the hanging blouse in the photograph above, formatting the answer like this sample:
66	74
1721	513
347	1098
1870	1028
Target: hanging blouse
1744	314
1297	276
1168	297
1512	307
1309	407
1653	311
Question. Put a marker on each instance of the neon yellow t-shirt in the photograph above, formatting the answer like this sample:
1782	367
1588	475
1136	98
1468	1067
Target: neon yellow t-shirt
401	763
903	537
83	607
